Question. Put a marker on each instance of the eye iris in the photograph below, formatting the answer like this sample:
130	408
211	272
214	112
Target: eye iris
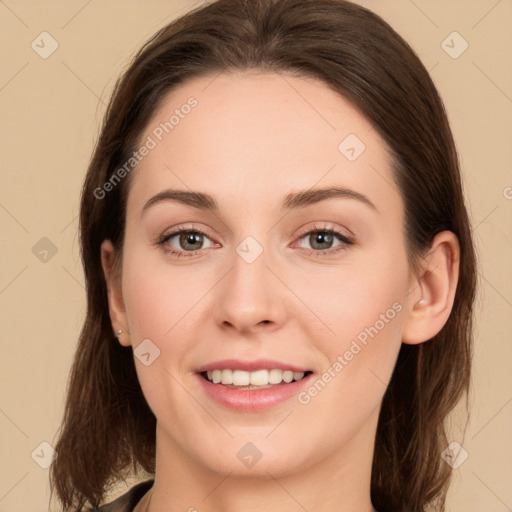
321	238
188	238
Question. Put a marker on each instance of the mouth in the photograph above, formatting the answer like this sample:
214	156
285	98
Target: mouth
253	380
252	385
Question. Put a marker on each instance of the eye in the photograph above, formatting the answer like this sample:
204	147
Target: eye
324	241
182	241
187	242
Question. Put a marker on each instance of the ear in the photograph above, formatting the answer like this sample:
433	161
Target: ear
115	297
433	287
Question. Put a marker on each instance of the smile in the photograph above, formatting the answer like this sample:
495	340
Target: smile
259	379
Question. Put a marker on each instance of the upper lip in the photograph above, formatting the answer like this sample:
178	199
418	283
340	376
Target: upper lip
249	366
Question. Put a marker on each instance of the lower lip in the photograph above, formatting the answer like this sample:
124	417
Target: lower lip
252	399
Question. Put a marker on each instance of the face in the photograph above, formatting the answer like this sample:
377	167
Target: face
263	268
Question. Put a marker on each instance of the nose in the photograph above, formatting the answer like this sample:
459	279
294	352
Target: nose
250	297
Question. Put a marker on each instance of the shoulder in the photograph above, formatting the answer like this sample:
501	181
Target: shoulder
126	502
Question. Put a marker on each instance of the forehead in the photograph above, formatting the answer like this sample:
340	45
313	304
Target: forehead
259	135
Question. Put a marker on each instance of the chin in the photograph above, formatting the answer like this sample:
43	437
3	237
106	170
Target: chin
253	456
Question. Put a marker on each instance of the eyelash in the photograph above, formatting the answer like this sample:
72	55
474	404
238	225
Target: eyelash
346	241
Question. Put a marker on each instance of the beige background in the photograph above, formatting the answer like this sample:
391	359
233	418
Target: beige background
50	112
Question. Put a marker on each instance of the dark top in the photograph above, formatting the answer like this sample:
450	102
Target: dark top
128	501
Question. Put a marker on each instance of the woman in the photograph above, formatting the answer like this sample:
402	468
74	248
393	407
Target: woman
280	272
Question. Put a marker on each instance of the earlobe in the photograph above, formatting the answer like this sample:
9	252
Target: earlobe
433	290
115	298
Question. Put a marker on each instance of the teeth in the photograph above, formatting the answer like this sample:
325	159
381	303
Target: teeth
241	378
257	378
226	376
275	376
288	376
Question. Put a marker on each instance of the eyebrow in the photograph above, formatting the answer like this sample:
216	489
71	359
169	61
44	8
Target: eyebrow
291	201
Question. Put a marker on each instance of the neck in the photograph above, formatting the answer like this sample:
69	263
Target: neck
336	481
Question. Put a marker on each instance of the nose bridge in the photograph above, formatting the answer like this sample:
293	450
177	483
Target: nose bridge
250	292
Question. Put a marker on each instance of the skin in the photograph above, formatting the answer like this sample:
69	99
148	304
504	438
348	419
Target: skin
252	139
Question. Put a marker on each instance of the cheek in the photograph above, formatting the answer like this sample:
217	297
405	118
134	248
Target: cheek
159	303
358	361
158	297
360	311
347	301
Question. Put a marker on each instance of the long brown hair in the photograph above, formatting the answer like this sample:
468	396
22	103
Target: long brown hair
108	427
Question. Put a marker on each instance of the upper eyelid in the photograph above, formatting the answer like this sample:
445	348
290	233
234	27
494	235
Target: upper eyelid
326	227
179	229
